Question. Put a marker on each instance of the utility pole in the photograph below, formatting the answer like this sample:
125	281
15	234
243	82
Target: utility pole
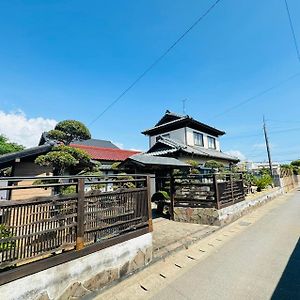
268	147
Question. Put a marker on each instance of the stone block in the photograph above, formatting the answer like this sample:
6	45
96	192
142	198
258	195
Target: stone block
148	255
74	290
137	262
43	296
124	270
101	279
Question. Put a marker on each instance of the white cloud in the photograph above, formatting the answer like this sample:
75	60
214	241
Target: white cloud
237	154
18	128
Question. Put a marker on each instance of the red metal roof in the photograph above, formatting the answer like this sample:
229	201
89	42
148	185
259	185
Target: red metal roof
99	153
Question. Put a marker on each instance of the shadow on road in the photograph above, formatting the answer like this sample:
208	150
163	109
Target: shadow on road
288	286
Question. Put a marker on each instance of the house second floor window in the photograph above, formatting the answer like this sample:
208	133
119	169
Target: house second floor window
211	142
198	139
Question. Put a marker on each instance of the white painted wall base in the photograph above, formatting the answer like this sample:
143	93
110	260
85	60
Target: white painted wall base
83	275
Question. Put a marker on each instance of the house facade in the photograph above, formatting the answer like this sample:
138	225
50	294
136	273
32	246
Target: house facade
185	138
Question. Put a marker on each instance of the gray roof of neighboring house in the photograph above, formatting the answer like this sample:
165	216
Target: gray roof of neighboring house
90	142
6	160
97	143
174	146
147	159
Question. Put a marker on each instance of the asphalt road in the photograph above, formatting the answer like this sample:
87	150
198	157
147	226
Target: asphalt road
260	262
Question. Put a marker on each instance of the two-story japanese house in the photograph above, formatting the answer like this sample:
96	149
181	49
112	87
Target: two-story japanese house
183	138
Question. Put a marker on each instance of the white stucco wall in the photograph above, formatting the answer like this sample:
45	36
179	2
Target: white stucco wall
177	135
186	136
57	279
190	138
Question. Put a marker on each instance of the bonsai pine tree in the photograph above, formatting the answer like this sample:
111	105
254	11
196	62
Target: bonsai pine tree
68	131
214	165
63	156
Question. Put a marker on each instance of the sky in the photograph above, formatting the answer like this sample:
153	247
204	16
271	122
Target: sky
71	59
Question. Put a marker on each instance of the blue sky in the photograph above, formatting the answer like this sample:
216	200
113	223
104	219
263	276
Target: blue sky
70	59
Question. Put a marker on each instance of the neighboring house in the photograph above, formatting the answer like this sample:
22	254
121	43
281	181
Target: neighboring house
106	156
184	138
22	162
257	167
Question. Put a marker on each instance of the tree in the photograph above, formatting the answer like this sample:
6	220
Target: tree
214	165
68	131
8	147
296	163
63	156
194	166
296	166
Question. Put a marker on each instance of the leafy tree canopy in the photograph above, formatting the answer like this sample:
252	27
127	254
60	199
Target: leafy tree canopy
8	147
214	165
63	157
296	163
68	131
193	163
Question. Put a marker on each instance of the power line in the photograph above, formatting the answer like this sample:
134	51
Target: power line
275	153
275	161
285	130
165	53
260	134
257	95
292	29
282	121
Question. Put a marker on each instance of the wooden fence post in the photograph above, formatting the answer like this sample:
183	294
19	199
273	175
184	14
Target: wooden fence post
217	196
80	214
172	196
231	187
150	222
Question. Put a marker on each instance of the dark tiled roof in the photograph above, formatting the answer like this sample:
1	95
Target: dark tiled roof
170	146
97	143
6	160
146	159
171	121
168	117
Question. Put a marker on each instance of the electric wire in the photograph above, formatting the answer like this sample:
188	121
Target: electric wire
292	29
256	96
161	57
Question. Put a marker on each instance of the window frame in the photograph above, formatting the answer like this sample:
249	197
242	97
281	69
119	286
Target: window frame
197	134
210	138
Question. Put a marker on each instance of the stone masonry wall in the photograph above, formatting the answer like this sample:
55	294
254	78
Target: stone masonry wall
200	191
79	277
212	216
